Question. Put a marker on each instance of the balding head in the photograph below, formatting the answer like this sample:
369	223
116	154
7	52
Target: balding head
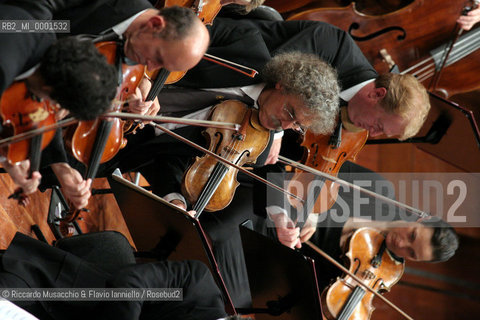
174	39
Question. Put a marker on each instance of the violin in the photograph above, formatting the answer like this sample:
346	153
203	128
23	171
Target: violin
97	141
325	153
368	259
89	136
211	185
413	38
21	112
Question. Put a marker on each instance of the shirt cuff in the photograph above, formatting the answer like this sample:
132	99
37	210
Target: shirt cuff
275	210
277	135
174	196
312	219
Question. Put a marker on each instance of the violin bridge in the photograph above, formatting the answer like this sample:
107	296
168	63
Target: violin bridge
230	150
368	275
329	159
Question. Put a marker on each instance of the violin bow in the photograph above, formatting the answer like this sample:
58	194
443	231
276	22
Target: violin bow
32	133
358	280
457	31
419	213
190	122
219	158
231	65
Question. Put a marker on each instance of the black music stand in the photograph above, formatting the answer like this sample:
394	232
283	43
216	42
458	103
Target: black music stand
161	230
283	282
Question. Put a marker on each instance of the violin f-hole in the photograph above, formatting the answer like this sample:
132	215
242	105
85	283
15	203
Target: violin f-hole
356	26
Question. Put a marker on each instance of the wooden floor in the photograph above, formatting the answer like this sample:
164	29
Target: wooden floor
448	290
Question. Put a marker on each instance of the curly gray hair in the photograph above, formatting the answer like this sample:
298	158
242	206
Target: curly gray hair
311	79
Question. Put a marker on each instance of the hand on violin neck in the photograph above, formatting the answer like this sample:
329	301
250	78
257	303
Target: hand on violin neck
20	174
137	103
74	187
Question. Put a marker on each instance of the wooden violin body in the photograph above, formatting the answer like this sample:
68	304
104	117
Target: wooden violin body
321	155
83	139
370	261
209	181
20	113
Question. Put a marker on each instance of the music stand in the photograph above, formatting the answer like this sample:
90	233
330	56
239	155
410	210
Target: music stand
283	282
161	230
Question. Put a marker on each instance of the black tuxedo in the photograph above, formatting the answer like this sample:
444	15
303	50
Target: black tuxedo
254	42
89	17
29	263
19	51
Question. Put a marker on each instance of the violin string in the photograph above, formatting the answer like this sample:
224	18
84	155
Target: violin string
216	173
216	156
463	47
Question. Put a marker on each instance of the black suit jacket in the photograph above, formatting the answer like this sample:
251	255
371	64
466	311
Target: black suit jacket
19	51
89	17
254	42
34	264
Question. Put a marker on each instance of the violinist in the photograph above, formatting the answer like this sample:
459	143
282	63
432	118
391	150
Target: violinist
430	240
373	101
172	38
282	101
26	58
374	96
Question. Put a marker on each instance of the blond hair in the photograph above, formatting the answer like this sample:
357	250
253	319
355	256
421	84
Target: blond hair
405	97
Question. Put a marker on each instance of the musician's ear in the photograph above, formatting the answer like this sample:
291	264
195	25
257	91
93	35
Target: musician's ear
380	93
278	86
156	23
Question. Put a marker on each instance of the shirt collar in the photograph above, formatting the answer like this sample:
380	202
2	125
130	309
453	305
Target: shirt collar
254	91
123	26
350	92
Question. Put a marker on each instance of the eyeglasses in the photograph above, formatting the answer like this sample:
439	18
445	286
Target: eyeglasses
296	126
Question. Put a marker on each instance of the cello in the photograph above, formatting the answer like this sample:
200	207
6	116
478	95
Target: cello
410	36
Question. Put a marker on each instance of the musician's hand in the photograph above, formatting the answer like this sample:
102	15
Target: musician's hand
307	232
137	103
274	151
309	227
179	203
287	233
20	176
467	22
74	188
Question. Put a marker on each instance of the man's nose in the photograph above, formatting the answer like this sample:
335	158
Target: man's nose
287	124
